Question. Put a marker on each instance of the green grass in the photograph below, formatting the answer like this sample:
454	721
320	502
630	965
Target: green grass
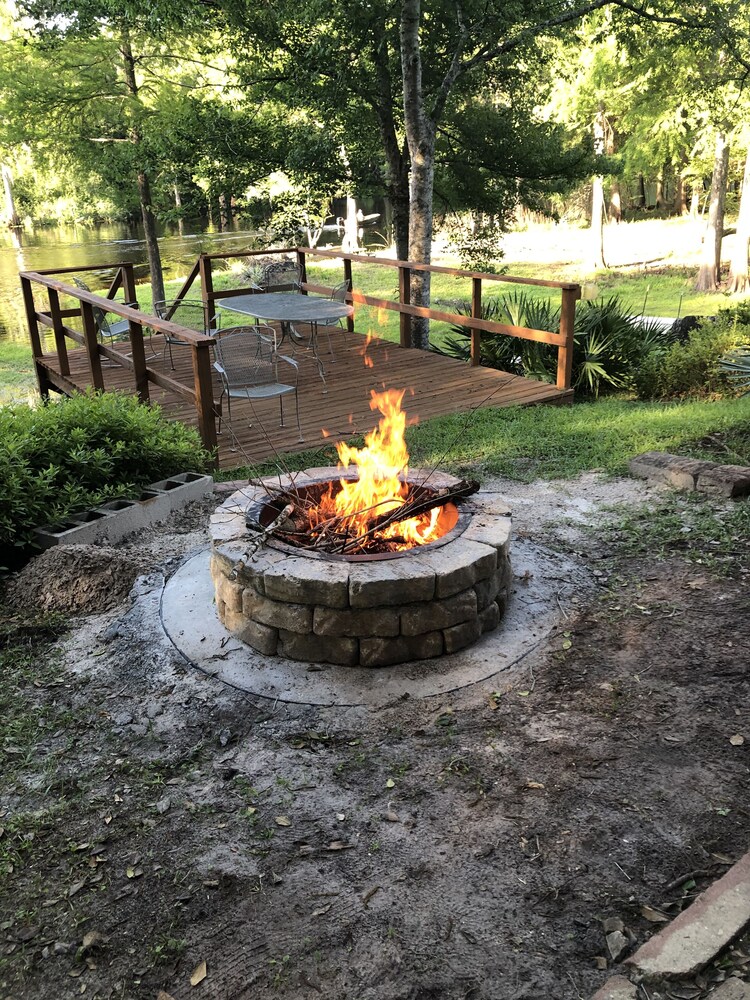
551	442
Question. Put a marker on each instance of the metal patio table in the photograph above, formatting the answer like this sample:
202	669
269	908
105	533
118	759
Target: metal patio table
288	308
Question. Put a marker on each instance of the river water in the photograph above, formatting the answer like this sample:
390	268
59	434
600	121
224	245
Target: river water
72	246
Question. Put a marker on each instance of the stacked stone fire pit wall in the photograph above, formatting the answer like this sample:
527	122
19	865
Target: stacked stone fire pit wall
306	606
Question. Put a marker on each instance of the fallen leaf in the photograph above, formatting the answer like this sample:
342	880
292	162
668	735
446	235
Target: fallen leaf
75	973
391	817
92	939
134	872
523	694
75	888
494	700
282	821
161	995
737	740
340	817
534	784
655	916
567	643
339	845
369	894
390	783
322	910
606	686
199	974
107	820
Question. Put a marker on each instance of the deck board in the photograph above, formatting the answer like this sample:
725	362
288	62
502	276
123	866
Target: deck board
434	385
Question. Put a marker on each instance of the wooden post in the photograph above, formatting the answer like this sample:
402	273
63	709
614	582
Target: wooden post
207	291
348	277
36	342
92	346
567	325
138	354
476	312
204	396
302	264
57	326
128	283
404	297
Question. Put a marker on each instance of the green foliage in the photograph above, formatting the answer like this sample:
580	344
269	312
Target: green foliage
69	455
609	341
736	366
691	369
478	245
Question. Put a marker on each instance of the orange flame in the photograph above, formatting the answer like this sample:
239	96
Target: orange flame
382	466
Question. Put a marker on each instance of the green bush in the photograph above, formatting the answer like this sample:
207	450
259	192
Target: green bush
691	369
79	452
609	341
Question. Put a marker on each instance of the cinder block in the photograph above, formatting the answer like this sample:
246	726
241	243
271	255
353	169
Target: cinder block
184	487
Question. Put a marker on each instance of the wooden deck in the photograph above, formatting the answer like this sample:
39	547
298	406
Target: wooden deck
435	386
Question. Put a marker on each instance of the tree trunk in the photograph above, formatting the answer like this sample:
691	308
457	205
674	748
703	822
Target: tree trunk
144	187
396	156
223	213
615	196
420	135
680	196
14	221
350	242
597	201
695	201
661	187
739	274
709	275
152	240
641	192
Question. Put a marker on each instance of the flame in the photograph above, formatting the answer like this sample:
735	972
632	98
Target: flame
382	466
363	351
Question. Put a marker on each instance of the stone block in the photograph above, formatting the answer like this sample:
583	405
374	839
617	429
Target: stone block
492	503
699	933
388	582
489	618
725	481
184	487
229	592
377	652
355	622
292	617
462	635
674	470
616	988
489	529
459	565
226	525
318	648
419	618
262	638
308	581
488	590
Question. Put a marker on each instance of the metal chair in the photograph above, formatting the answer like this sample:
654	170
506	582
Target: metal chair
338	294
280	274
112	331
247	364
187	312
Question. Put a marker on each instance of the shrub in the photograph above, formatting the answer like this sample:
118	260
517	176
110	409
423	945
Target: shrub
609	341
691	369
76	453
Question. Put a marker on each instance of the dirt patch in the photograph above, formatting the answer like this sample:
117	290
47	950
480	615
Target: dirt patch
454	847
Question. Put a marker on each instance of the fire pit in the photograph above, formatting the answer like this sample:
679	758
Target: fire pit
367	564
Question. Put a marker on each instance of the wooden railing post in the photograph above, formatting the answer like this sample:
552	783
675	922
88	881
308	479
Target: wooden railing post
207	291
302	264
128	283
350	286
57	326
476	313
92	345
204	395
36	340
404	297
567	328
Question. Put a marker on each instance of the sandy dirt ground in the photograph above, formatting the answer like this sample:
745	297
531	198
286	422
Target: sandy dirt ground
169	830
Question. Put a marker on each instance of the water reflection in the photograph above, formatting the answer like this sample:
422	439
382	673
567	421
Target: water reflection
75	246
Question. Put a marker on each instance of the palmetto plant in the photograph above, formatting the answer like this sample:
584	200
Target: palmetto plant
608	341
736	364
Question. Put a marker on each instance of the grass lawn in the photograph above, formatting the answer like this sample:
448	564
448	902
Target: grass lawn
549	442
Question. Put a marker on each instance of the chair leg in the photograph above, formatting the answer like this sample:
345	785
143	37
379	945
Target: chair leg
296	404
171	359
281	410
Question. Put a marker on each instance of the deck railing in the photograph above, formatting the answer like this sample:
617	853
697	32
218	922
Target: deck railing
562	339
200	394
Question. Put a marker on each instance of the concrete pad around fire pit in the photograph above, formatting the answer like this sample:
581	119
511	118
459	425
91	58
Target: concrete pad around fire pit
543	591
